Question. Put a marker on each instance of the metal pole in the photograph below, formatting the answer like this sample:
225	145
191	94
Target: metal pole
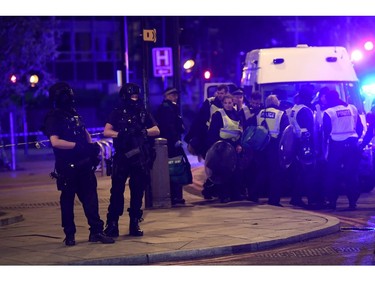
145	60
176	53
25	133
126	51
163	78
12	140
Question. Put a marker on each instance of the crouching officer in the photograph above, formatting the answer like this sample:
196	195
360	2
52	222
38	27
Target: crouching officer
130	125
76	158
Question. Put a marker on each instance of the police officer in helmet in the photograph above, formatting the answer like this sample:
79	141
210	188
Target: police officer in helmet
76	158
131	126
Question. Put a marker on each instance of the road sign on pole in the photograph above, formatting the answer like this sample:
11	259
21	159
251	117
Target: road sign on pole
149	35
162	62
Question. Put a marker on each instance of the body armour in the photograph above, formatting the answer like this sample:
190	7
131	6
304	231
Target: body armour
68	126
130	121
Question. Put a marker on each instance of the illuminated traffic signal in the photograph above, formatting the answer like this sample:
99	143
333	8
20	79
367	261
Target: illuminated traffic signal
13	78
188	65
207	74
34	79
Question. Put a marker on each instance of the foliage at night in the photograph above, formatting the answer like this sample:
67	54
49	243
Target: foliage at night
27	44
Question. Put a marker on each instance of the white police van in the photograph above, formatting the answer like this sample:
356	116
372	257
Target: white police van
283	71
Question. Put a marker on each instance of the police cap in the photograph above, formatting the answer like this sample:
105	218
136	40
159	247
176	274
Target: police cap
170	91
238	92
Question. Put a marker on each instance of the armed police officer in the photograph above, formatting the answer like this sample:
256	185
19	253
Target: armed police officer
76	158
131	126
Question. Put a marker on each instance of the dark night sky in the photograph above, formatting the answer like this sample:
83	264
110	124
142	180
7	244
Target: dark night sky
224	37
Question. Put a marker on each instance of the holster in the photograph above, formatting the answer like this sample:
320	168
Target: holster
61	180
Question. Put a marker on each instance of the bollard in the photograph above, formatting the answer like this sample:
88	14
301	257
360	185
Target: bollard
159	196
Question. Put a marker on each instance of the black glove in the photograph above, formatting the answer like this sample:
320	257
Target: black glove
87	149
80	149
137	131
144	133
94	149
123	136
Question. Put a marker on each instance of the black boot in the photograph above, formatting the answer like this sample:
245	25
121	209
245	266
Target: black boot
100	237
111	229
134	229
69	240
135	216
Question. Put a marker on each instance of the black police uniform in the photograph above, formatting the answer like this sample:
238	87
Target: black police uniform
197	135
302	170
171	127
134	156
269	171
74	168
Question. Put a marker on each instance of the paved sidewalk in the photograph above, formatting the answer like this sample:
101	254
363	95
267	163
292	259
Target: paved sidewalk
30	231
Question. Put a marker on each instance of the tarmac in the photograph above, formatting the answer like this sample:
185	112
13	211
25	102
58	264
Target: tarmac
31	233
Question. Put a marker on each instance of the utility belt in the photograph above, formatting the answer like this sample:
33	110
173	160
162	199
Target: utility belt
69	168
127	154
349	142
65	171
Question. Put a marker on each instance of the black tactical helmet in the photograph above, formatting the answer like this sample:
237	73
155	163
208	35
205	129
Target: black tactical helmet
61	95
128	90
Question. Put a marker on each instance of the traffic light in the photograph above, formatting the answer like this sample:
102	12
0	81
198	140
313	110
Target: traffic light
34	79
13	78
207	74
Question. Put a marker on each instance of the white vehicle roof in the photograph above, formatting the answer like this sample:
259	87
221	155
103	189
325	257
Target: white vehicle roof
213	85
301	63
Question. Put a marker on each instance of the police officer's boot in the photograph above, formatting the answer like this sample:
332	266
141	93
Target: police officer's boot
135	218
134	229
111	229
69	240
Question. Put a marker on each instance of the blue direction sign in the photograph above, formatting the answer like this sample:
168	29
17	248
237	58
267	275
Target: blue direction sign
162	61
